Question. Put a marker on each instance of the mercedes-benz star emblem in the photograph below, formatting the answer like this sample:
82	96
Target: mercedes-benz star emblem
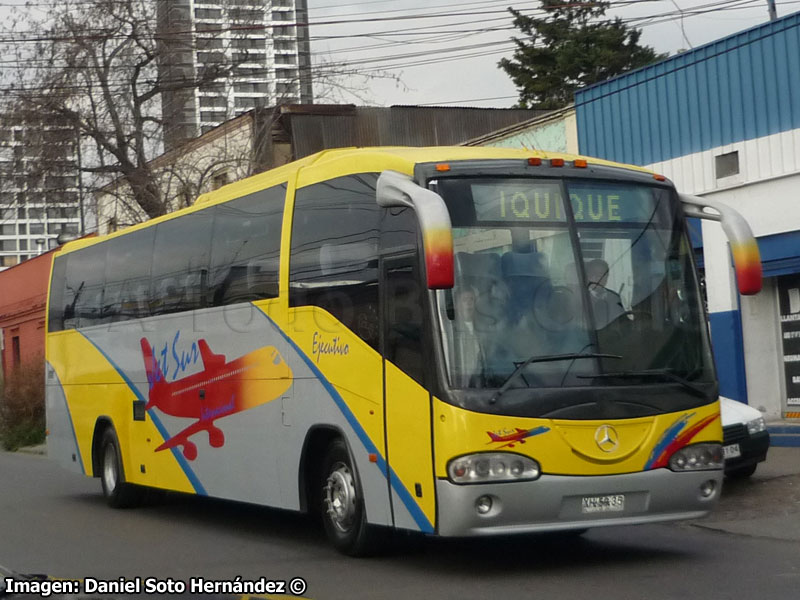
607	438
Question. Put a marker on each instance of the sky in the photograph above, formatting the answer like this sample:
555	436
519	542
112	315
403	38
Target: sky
445	52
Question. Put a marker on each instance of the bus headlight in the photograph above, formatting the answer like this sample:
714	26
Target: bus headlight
697	457
492	466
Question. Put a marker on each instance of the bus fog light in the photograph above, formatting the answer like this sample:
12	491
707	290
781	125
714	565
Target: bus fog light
483	505
708	488
486	467
697	457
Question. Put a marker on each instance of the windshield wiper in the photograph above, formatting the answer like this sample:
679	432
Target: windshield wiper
547	358
651	373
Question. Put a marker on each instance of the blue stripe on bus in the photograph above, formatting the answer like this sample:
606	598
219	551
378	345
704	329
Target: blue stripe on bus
397	485
69	417
184	464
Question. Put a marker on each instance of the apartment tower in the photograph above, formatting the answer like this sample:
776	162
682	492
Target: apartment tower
260	49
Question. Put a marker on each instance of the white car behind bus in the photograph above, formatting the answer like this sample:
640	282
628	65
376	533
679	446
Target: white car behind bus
745	437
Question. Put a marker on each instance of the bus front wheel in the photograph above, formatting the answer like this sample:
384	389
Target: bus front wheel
118	493
342	507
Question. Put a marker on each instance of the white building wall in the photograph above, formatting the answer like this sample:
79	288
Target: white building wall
765	192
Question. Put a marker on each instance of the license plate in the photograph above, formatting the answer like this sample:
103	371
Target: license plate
596	504
731	451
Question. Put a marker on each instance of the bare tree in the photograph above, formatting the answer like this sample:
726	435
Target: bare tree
94	66
120	74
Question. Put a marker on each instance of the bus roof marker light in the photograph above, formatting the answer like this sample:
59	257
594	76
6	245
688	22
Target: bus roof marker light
398	189
442	167
535	161
659	177
580	163
556	162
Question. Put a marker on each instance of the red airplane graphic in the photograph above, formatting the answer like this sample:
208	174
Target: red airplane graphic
221	389
516	437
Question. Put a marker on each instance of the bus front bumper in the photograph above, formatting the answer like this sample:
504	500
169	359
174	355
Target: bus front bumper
559	503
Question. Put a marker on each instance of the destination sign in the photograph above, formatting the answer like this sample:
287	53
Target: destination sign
535	201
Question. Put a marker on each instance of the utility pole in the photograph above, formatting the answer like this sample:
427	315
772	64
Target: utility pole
773	14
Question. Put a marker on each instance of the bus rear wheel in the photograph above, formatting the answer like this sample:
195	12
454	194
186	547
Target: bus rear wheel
118	493
342	506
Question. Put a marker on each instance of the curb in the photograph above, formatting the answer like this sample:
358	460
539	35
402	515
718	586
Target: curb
40	450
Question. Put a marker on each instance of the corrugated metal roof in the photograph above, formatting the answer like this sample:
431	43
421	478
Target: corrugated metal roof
399	126
738	88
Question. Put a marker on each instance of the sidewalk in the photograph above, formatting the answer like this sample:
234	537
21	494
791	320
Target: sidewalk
41	449
784	433
765	505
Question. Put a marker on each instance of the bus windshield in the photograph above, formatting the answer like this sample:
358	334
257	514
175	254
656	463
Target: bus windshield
597	291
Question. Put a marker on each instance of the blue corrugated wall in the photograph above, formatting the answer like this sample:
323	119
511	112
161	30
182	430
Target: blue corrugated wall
737	88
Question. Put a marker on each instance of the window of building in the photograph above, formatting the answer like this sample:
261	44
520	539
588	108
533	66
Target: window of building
211	117
247	102
16	357
209	43
284	30
213	102
207	13
248	43
284	45
245	257
334	260
252	88
286	74
726	164
219	179
7	230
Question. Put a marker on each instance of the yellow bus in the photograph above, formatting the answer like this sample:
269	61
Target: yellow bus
453	341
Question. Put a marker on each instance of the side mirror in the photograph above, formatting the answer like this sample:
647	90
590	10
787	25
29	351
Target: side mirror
397	189
746	258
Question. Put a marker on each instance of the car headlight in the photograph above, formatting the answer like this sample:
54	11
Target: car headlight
697	457
756	425
492	466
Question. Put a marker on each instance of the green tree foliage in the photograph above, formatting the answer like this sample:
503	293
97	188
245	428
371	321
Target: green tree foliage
568	47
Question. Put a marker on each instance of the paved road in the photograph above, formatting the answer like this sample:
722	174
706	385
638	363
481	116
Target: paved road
56	522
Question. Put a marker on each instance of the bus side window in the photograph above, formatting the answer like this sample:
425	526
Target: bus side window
180	263
334	260
58	284
83	290
127	279
245	253
404	320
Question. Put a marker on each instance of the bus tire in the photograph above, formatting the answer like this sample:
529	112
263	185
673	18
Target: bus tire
342	503
117	492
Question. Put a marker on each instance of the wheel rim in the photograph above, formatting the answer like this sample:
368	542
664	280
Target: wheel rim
340	497
110	468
